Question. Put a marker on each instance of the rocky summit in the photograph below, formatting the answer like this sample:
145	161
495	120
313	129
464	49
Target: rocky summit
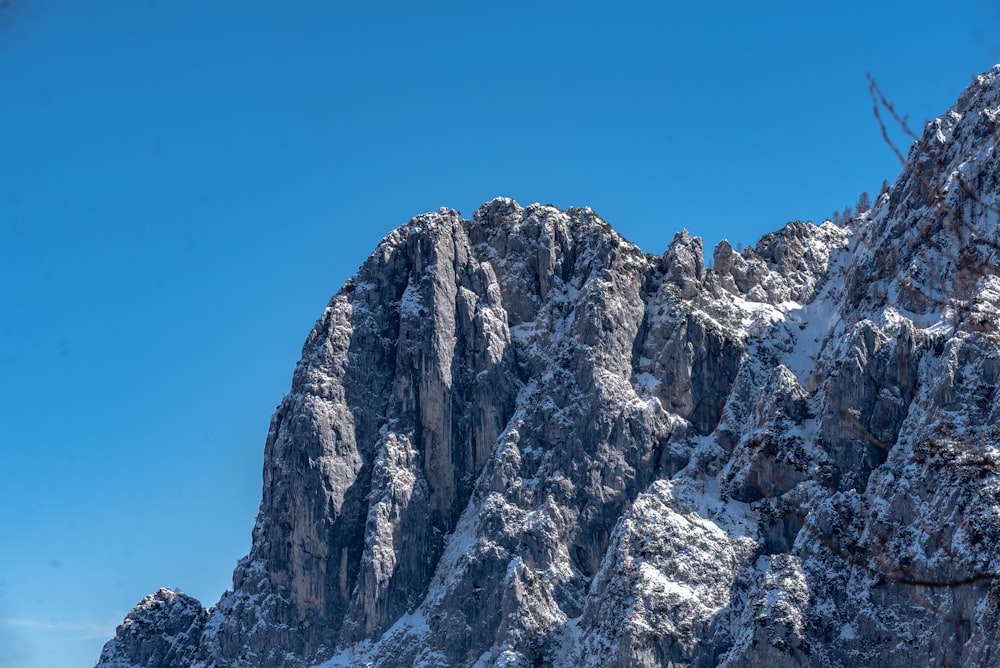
518	440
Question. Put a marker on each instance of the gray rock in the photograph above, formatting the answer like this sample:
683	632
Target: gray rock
516	440
163	630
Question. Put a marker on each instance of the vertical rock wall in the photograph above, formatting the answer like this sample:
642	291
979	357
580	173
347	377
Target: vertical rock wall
516	440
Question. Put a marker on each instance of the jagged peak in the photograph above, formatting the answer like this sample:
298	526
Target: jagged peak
981	97
506	214
432	221
498	209
519	443
922	246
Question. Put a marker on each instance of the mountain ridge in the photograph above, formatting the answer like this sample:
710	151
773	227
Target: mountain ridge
517	440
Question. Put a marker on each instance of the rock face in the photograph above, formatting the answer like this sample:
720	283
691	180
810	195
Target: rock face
516	440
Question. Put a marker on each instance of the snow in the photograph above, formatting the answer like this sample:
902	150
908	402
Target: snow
683	552
410	304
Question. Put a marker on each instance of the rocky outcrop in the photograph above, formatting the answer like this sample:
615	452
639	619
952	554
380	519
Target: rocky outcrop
164	629
516	440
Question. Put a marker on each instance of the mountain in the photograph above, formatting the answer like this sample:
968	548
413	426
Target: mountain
517	440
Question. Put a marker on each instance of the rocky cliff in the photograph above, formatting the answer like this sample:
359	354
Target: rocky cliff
517	440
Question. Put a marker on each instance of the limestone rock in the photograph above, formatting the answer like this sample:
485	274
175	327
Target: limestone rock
516	440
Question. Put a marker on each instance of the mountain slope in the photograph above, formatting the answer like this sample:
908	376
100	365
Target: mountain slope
516	440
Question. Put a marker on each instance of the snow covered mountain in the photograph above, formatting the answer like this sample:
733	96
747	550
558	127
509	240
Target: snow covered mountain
516	440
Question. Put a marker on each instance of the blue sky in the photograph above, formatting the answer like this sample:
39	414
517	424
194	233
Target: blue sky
184	184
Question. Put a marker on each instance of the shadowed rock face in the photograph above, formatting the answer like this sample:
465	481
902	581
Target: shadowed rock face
516	440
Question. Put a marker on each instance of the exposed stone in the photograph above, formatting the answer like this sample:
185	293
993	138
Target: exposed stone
516	440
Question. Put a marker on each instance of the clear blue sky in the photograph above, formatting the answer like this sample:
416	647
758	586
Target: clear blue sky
184	184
